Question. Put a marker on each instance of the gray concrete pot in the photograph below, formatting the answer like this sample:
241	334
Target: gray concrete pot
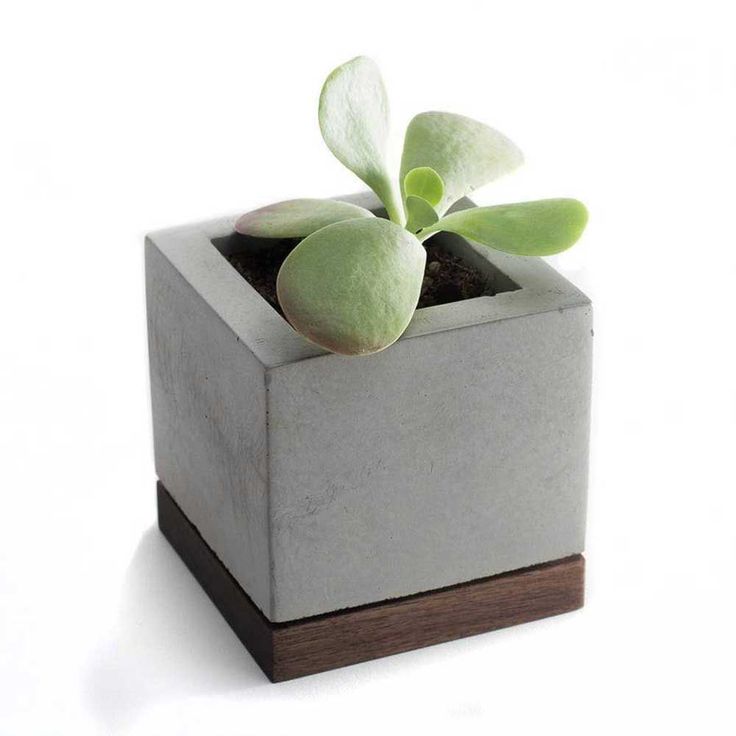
324	482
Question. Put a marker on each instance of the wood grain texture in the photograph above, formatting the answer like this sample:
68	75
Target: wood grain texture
307	646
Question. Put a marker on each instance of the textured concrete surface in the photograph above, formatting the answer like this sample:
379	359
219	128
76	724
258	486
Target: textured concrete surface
324	482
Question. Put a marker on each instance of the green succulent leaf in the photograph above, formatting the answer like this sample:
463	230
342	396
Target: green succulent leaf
540	228
352	287
465	153
297	218
420	214
353	118
426	183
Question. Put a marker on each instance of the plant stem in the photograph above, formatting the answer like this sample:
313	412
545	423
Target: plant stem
393	209
425	232
387	194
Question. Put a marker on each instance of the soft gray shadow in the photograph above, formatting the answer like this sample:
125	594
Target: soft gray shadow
169	641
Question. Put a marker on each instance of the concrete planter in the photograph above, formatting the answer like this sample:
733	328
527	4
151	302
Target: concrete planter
323	482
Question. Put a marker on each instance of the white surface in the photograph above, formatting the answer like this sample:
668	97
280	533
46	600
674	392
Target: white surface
119	119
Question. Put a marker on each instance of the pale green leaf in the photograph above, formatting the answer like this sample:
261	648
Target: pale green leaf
465	153
297	218
353	118
420	214
426	183
540	228
352	287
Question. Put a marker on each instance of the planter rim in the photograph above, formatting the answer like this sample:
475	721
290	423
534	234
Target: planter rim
271	339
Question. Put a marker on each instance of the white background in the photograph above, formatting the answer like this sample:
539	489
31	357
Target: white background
119	118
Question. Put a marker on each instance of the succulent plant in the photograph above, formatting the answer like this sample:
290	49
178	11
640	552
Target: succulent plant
353	282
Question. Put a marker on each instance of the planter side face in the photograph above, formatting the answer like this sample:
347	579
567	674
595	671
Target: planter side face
324	482
209	419
447	458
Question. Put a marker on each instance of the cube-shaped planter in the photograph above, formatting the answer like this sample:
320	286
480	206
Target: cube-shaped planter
338	508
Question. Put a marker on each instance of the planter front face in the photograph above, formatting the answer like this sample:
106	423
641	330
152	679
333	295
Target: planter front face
324	482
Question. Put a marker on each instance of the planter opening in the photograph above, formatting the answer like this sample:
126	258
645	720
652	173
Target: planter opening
452	274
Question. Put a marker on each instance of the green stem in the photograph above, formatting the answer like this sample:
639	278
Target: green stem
387	194
394	213
425	232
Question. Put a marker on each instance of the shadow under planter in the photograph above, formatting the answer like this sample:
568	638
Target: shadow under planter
320	483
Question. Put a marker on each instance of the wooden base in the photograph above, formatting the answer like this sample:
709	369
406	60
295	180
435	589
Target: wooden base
306	646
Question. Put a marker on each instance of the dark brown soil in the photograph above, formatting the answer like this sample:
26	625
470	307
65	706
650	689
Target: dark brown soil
446	278
261	267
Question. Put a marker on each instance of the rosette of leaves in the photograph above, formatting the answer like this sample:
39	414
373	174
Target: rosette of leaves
352	283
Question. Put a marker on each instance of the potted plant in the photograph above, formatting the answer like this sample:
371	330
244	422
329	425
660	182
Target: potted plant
338	508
